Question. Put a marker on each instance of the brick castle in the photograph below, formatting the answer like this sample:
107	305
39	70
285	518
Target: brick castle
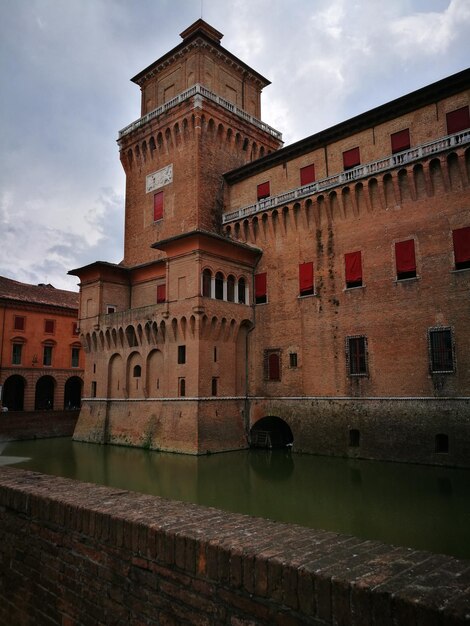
313	294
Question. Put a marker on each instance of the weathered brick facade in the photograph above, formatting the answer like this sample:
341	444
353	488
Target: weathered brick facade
235	300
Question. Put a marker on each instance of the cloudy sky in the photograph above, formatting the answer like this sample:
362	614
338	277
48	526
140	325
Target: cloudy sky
65	67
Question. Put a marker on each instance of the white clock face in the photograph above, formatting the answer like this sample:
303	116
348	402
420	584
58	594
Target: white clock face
159	179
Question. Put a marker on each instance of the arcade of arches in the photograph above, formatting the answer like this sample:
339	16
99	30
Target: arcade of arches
45	392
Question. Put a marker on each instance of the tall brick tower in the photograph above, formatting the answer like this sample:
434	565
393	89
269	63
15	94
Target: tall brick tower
166	330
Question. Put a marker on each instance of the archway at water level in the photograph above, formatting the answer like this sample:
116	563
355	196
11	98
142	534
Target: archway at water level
271	432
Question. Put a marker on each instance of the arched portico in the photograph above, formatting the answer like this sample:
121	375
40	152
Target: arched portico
73	393
13	393
44	396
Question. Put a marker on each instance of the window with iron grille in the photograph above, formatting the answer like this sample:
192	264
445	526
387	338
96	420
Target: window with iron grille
356	356
272	364
441	350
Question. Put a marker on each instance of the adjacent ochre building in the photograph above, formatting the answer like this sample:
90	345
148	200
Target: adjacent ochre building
41	357
314	294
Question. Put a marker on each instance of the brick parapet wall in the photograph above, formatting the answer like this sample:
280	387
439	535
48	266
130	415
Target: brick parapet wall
16	425
75	553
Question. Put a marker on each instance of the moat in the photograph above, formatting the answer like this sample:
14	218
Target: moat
418	506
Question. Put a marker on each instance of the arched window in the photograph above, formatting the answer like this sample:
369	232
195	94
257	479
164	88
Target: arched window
137	371
442	443
241	291
206	283
219	286
272	365
354	438
231	288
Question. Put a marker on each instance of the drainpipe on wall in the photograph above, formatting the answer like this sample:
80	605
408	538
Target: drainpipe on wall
246	416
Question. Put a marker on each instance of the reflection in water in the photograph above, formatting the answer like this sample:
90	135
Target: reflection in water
412	505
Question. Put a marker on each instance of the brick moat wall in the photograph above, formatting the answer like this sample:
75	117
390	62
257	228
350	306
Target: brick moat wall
15	425
75	553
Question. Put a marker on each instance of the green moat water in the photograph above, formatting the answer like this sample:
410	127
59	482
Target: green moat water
410	505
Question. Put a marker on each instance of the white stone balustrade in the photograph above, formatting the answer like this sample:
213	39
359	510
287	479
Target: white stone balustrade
361	171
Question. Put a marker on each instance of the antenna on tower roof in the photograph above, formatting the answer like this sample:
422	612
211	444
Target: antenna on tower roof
202	5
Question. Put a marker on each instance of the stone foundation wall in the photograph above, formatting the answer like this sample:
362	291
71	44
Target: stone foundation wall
16	425
395	429
186	425
75	553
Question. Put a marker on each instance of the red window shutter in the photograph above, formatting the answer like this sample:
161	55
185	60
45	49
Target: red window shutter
158	206
353	265
457	120
161	293
405	256
260	285
273	366
307	174
351	158
49	326
263	191
19	323
306	277
461	238
400	141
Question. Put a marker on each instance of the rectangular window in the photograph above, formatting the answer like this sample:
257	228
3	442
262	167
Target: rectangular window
272	365
19	322
181	355
351	158
306	279
293	359
47	355
353	269
263	191
405	259
16	354
261	288
400	140
214	386
110	308
356	356
49	326
441	350
181	387
75	357
215	354
457	120
307	175
161	293
461	239
93	388
158	206
75	328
